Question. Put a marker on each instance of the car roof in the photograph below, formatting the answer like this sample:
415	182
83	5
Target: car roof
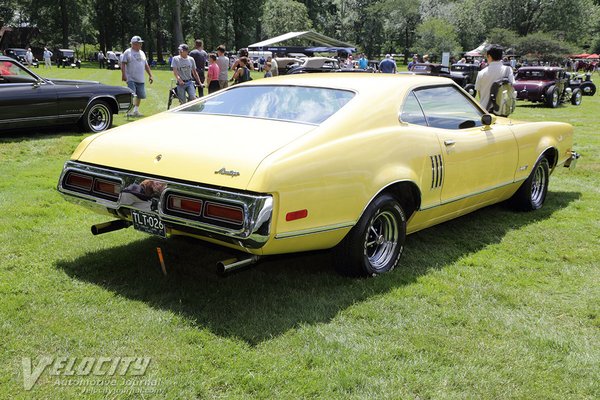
540	68
358	81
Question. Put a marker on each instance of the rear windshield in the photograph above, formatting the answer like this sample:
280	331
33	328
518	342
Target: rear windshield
307	105
533	74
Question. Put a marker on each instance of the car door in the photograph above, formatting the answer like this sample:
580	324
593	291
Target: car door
475	158
25	99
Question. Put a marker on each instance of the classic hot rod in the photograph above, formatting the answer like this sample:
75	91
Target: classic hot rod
315	161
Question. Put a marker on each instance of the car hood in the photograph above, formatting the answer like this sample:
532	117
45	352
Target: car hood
70	82
210	149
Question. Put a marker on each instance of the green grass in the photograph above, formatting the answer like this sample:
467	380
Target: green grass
495	304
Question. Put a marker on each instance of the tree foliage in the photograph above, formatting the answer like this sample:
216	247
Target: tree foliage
375	26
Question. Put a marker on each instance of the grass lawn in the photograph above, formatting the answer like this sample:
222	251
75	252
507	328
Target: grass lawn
493	305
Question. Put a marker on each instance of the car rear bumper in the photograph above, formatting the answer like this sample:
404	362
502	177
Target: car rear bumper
150	195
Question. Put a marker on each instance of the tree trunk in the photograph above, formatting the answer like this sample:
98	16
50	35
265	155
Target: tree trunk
64	16
177	28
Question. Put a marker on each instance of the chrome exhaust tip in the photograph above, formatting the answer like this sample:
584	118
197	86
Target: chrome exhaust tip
233	264
110	226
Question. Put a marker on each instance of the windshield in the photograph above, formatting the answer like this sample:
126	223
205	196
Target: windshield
307	105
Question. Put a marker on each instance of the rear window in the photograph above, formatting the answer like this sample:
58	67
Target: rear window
285	103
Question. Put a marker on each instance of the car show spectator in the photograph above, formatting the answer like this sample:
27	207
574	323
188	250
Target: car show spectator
387	65
133	65
274	66
411	64
242	72
29	57
47	58
363	63
184	69
212	76
200	57
223	63
426	59
495	71
261	63
101	59
268	73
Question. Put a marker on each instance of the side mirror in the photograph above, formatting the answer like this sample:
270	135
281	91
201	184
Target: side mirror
487	119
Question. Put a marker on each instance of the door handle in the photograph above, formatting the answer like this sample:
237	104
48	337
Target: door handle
449	142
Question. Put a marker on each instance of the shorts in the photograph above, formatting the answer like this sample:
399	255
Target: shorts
223	84
138	89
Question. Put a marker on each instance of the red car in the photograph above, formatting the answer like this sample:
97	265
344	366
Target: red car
548	85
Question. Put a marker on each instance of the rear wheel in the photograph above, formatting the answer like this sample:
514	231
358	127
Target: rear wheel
589	89
376	242
552	97
532	193
97	118
576	97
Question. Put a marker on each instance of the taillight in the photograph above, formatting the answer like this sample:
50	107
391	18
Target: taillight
79	181
107	187
222	212
184	204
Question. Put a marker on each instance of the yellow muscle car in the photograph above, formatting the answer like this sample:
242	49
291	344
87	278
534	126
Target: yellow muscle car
315	161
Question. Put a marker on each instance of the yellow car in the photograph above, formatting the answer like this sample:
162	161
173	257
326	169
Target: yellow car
316	161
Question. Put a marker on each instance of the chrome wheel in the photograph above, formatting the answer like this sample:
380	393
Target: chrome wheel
99	117
381	239
538	185
555	98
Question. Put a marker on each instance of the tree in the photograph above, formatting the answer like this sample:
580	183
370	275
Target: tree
282	16
544	47
436	36
504	37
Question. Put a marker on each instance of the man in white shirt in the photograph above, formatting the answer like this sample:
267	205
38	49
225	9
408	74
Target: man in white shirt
29	57
133	65
47	56
492	73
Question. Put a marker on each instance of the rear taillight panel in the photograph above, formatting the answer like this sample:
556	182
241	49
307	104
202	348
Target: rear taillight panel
208	210
92	185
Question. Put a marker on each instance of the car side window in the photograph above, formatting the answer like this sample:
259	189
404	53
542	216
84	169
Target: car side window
412	112
446	107
12	73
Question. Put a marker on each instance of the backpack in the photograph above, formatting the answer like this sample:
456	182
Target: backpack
503	97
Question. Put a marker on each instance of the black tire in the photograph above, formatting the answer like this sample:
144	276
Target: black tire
470	88
375	243
97	118
552	98
532	193
576	97
589	89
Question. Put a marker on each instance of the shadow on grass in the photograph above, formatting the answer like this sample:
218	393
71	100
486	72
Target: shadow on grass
283	292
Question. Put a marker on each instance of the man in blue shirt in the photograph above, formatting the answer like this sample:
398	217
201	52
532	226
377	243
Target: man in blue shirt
388	65
363	63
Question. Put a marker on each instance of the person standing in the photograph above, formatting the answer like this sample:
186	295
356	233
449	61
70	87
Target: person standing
415	60
133	65
200	57
363	63
388	65
101	59
223	63
212	77
47	58
29	56
184	69
274	66
268	73
495	71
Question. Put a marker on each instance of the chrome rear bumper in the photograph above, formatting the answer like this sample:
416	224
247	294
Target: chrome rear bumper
148	194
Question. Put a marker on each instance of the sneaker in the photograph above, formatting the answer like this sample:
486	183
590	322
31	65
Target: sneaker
134	114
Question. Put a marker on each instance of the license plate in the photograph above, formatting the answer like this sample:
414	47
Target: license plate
148	223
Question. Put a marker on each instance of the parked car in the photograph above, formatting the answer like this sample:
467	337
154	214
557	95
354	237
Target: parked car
28	100
583	82
307	162
466	76
113	59
548	85
66	58
19	55
315	64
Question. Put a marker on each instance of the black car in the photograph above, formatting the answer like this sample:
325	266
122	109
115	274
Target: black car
19	55
66	58
28	100
465	75
465	80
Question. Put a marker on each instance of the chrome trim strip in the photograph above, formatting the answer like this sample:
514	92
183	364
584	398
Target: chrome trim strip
310	231
258	208
472	194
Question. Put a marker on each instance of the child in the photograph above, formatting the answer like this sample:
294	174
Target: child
212	78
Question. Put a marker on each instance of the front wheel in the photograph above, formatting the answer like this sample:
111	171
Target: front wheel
552	97
532	193
97	118
576	97
375	243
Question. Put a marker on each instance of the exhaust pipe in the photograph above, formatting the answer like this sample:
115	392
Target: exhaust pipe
233	264
110	226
